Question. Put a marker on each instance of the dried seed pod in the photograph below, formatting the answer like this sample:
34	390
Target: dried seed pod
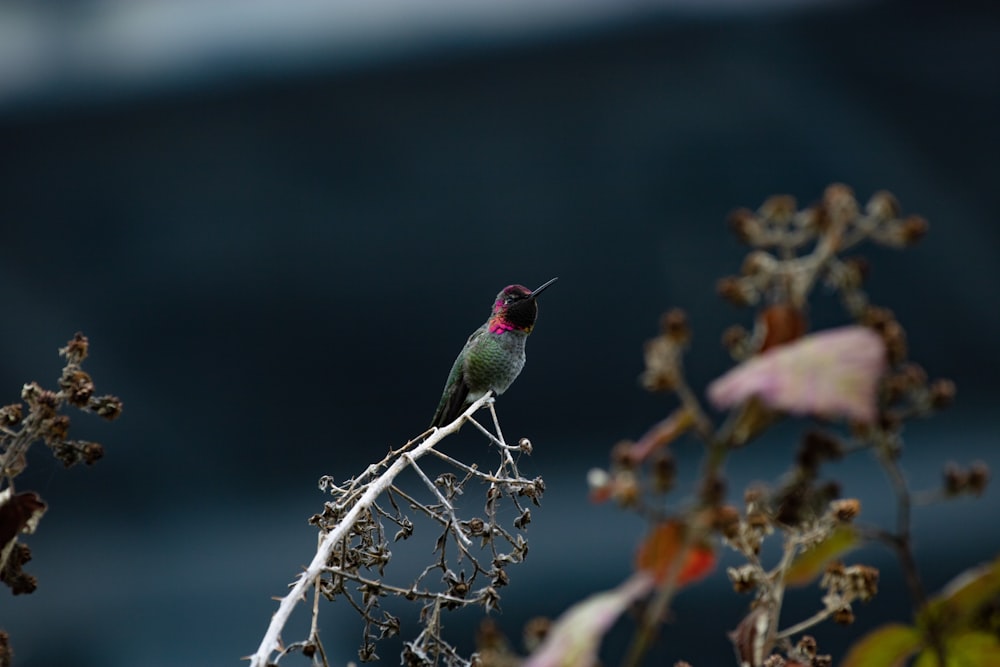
745	225
674	324
779	208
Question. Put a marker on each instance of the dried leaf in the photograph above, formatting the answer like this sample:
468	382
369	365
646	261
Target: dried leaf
574	639
811	564
18	514
661	434
887	646
658	555
830	374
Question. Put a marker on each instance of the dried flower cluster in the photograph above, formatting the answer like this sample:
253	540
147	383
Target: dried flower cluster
859	375
370	512
40	419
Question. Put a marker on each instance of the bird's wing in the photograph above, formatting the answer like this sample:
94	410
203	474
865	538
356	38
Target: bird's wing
453	402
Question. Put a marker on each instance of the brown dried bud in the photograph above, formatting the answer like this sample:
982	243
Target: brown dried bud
825	660
109	407
92	452
889	421
726	520
31	392
757	262
459	588
839	201
942	393
807	646
754	495
846	509
621	454
745	225
55	429
20	582
780	208
675	326
758	520
476	526
883	206
489	635
913	375
664	472
309	650
77	385
894	336
525	446
979	477
791	504
865	580
76	349
713	491
729	288
857	270
6	655
843	616
744	578
11	415
877	317
661	357
913	229
817	447
954	479
733	337
626	491
535	632
774	660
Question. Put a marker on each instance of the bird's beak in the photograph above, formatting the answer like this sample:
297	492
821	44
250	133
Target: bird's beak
539	290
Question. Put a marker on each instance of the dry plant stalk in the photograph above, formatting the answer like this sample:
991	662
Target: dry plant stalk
353	544
858	374
44	422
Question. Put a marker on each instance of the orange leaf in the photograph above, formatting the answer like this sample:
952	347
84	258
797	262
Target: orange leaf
662	434
660	555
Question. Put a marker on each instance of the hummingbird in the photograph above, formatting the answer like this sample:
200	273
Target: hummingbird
493	356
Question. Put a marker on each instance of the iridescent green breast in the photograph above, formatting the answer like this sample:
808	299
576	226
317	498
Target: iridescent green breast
494	361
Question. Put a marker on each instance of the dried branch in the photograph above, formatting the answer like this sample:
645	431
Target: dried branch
352	537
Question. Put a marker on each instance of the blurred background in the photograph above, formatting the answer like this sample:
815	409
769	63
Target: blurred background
278	222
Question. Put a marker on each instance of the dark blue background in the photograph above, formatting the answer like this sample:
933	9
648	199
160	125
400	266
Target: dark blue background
277	267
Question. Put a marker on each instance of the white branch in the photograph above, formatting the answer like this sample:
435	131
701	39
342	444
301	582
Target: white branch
271	641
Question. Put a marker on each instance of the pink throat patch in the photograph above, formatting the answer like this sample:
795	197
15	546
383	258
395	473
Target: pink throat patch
499	326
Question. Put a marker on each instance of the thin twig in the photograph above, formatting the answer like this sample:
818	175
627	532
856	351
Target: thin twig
444	502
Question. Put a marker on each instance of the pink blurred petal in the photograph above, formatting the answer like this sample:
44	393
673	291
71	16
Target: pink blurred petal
574	639
831	374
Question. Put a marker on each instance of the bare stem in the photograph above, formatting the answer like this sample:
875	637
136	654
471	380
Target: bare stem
444	502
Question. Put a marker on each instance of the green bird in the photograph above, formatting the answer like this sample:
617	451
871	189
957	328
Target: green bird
493	356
